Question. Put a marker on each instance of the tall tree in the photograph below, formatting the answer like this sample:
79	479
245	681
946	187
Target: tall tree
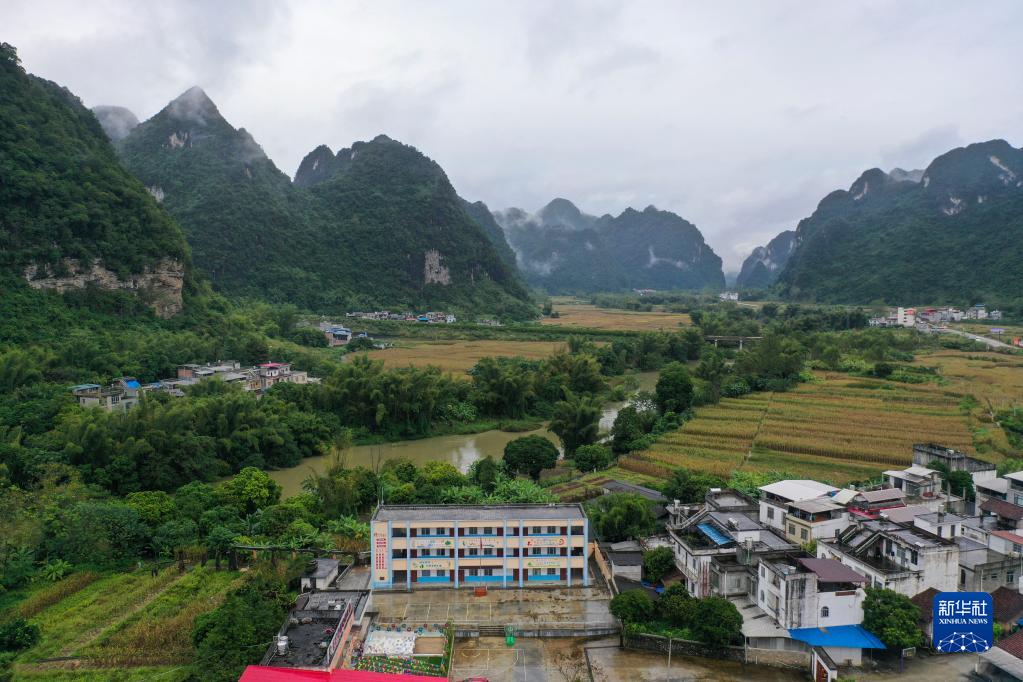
576	421
892	617
674	390
530	455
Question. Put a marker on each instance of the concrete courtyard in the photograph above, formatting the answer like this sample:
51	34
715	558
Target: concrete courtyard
519	607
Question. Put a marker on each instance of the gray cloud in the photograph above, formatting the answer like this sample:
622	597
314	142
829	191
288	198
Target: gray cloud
738	116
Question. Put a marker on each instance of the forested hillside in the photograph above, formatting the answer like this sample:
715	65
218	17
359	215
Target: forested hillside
72	216
562	250
951	235
762	267
377	225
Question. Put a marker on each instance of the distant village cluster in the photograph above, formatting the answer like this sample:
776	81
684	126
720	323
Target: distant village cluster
125	392
910	317
430	317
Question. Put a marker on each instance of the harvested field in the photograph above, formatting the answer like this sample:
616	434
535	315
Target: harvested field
585	315
460	356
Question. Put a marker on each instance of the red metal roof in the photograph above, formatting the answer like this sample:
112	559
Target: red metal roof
259	673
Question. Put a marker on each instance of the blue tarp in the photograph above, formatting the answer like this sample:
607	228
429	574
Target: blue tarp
131	383
845	636
714	534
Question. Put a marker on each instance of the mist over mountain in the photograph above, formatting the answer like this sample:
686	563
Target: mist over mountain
951	233
117	122
762	267
563	250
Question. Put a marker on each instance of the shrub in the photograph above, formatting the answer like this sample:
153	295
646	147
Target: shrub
17	634
634	606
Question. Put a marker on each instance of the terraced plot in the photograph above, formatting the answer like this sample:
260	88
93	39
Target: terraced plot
103	628
838	429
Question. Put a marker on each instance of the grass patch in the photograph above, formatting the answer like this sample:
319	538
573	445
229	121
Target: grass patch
73	622
49	594
161	633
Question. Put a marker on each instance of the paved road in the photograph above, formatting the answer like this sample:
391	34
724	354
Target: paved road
991	343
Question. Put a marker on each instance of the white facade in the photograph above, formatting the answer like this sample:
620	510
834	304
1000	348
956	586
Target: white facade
775	498
898	564
906	317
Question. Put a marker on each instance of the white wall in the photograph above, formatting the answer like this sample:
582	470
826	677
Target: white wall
779	516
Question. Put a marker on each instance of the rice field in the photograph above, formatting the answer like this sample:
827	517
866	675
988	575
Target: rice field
837	428
587	316
458	356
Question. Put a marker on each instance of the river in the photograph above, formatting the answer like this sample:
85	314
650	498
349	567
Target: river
460	450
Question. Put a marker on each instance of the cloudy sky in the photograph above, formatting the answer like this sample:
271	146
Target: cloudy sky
739	116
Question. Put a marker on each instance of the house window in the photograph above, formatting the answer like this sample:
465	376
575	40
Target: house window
770	512
441	531
802	534
792	529
536	530
914	556
825	612
1010	577
552	530
488	530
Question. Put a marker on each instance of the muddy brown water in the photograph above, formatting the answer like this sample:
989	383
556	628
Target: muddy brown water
460	450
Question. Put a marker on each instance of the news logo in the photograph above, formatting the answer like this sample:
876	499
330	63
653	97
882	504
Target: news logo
963	622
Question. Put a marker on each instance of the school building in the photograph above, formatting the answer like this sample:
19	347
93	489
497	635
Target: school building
510	545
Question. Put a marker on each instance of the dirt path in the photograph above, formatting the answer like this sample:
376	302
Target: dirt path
756	434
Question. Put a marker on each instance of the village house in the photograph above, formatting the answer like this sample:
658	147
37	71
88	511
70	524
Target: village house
776	497
976	312
120	396
337	335
316	634
813	519
870	503
993	489
514	545
896	556
715	544
1007	516
1015	491
915	481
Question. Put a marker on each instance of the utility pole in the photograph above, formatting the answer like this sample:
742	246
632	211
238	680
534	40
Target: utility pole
669	660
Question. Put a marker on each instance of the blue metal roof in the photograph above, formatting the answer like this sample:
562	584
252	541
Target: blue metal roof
131	383
845	636
714	534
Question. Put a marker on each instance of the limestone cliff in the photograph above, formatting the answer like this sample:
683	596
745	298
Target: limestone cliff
160	285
